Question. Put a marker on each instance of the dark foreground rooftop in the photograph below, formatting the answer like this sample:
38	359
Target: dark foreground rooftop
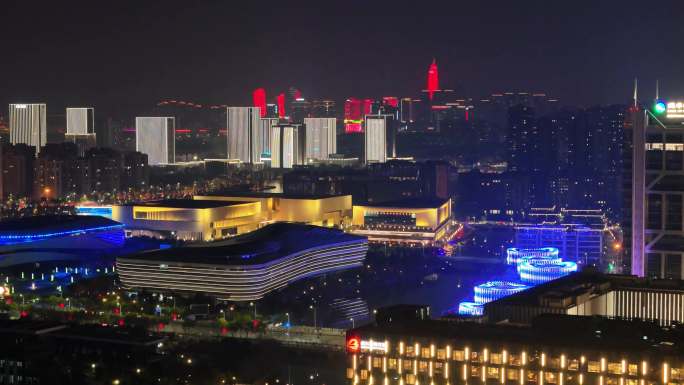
83	333
266	244
587	281
563	331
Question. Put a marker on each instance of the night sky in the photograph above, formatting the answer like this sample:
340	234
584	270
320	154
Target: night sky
129	54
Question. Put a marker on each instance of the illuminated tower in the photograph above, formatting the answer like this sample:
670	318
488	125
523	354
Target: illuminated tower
155	136
432	79
353	116
81	128
27	124
320	138
286	145
266	127
375	138
244	131
259	98
367	107
281	106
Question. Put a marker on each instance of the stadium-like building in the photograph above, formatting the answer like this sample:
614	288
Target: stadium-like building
246	267
57	237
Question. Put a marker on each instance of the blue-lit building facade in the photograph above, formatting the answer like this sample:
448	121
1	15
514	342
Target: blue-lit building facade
579	235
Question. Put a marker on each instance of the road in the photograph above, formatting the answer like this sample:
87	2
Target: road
302	336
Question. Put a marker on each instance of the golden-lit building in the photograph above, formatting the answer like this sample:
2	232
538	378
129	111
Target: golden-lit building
318	210
555	350
411	221
211	217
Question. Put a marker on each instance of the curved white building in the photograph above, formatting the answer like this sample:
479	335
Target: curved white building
246	267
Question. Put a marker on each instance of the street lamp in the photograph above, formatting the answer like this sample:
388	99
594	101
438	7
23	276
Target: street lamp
252	304
352	321
312	307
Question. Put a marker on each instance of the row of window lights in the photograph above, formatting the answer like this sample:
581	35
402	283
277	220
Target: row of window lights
519	360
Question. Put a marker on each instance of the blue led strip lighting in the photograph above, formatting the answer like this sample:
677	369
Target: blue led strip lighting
493	290
514	255
56	234
470	308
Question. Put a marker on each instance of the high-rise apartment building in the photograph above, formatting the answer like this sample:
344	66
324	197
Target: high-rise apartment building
375	138
353	116
654	188
280	102
17	169
28	124
80	128
523	139
320	137
265	127
58	172
155	136
286	145
244	132
259	100
80	121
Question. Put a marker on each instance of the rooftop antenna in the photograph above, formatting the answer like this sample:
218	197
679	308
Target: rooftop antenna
636	83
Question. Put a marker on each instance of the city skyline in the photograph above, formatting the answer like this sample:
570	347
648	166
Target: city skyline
478	52
342	193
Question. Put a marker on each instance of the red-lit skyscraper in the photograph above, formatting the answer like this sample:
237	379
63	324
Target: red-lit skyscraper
259	99
353	116
281	105
432	79
367	107
391	101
